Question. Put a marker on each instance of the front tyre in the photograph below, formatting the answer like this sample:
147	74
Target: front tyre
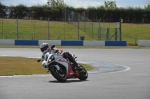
83	75
59	75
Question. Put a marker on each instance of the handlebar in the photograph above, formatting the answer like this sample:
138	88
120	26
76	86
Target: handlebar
52	47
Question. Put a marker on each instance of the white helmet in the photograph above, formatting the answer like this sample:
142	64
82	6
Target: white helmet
44	46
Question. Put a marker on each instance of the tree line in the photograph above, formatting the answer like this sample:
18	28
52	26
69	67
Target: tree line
109	12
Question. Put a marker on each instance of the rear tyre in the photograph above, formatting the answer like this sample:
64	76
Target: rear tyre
83	75
59	75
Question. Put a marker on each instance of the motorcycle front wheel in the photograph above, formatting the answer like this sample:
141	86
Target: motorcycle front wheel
60	75
83	74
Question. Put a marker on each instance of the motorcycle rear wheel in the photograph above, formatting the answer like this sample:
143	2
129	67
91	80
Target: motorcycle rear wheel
60	76
83	74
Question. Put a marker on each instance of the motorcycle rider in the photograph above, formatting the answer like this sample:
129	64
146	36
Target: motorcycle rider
45	47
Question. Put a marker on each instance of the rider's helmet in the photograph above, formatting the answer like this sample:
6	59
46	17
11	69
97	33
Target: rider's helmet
44	46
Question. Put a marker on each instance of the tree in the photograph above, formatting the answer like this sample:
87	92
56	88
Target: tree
110	4
2	10
148	6
92	13
19	11
147	13
55	2
101	13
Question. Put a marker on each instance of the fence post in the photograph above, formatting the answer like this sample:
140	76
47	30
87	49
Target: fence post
48	29
116	30
65	23
92	28
34	31
85	26
107	33
99	30
120	29
78	26
17	28
2	27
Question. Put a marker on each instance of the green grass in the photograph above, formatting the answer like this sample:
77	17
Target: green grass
35	29
38	30
23	66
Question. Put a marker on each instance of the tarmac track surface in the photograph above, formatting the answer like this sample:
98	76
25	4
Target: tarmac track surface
129	84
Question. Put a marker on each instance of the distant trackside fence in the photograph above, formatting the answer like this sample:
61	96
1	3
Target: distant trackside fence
73	26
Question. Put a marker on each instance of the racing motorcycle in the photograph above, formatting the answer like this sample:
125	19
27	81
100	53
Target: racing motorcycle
61	68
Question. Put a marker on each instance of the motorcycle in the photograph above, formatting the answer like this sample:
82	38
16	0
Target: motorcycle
61	68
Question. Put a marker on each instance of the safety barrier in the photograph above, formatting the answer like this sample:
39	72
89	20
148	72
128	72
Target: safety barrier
7	42
115	43
63	42
144	43
72	43
26	42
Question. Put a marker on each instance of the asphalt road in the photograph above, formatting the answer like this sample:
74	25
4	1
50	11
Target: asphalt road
130	84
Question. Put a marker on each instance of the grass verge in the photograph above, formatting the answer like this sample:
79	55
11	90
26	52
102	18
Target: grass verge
23	66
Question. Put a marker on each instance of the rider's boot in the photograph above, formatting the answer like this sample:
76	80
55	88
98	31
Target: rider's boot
76	66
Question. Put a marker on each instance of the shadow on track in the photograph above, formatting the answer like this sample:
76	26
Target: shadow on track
68	81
